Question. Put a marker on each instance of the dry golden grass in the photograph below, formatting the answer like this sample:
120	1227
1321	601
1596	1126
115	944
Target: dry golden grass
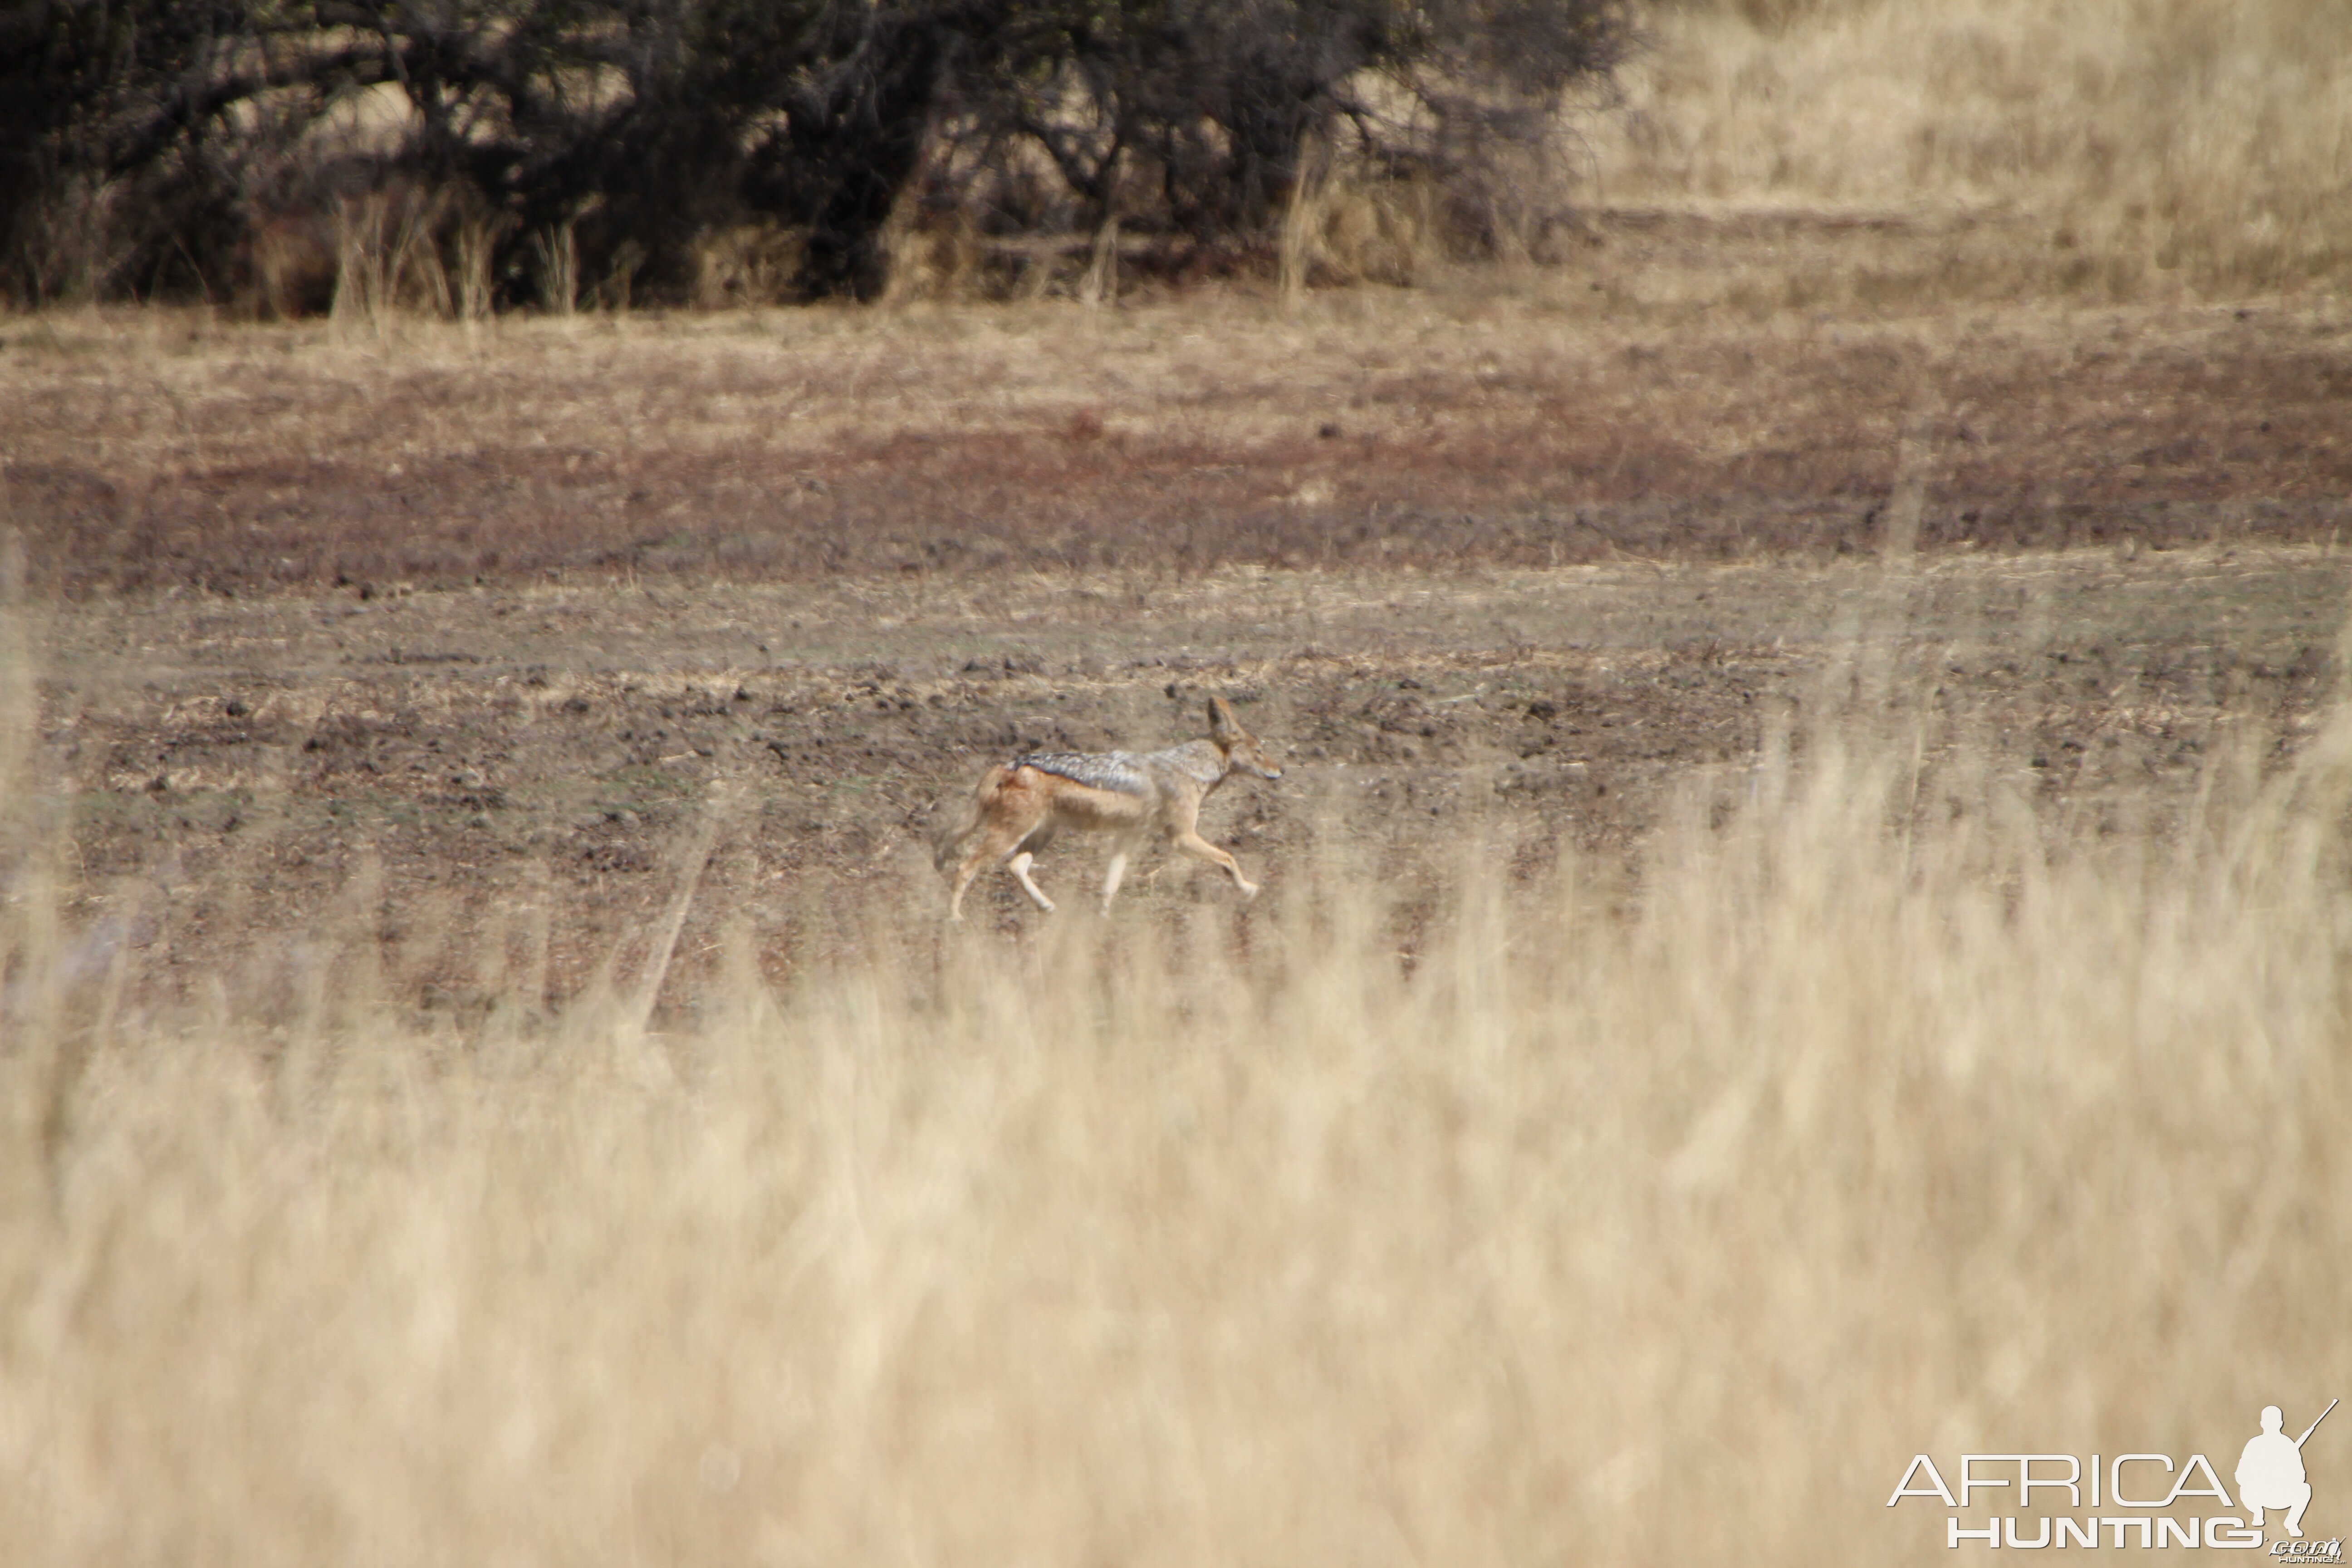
2118	147
1887	1114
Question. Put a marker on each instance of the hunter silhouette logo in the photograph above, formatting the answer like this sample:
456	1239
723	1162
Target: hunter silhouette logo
2270	1472
2122	1500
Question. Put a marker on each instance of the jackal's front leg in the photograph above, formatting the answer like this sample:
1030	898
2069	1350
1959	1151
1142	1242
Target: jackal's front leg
1200	849
1115	872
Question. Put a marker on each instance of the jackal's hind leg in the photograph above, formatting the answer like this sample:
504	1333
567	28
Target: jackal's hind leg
1019	866
989	846
964	874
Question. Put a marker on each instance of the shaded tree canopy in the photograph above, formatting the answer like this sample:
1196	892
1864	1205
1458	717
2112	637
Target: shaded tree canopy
145	144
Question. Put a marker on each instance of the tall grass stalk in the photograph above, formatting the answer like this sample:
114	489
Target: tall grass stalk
556	252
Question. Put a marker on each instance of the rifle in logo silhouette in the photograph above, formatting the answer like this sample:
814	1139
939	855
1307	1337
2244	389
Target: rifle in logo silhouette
2307	1431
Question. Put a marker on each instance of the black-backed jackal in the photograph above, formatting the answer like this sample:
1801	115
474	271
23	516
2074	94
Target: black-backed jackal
1020	805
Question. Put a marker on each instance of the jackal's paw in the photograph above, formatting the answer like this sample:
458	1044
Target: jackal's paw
1249	891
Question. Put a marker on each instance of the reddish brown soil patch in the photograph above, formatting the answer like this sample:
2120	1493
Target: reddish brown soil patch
1497	439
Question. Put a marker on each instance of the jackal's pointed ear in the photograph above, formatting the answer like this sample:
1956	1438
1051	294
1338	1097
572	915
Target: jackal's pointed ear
1222	726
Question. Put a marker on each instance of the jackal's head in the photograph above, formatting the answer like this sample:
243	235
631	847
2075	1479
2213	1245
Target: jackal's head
1243	751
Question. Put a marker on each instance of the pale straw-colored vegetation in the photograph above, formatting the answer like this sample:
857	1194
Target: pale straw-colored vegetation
1587	1219
2115	146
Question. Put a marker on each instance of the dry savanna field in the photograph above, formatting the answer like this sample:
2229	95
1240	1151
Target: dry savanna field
1808	919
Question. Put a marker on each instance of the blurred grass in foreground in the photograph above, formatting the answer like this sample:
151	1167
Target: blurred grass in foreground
1884	1116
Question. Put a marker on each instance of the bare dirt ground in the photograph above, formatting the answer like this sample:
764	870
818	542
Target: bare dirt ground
1646	407
512	781
483	639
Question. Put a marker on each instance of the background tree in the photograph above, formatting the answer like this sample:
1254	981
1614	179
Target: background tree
635	129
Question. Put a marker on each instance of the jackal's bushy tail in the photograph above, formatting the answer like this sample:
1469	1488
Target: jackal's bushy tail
957	825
